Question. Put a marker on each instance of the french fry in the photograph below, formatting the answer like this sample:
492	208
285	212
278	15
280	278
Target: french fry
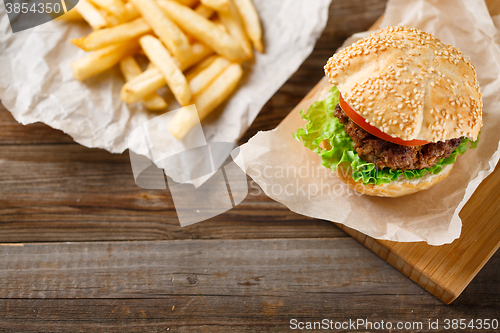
204	30
189	3
120	33
101	60
219	90
160	57
131	13
154	102
173	38
152	79
217	5
216	93
142	85
199	67
251	22
199	52
208	75
172	51
115	7
91	15
204	11
72	15
183	121
131	69
111	20
231	20
219	25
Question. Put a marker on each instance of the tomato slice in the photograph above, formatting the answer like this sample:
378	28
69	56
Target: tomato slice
361	122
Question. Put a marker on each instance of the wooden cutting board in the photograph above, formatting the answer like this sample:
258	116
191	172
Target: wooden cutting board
446	270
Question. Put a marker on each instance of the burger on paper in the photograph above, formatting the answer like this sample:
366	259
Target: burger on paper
402	108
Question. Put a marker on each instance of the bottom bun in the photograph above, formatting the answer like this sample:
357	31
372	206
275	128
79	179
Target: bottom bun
401	186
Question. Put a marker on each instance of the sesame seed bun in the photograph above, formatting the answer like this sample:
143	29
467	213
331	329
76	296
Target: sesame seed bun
409	85
401	186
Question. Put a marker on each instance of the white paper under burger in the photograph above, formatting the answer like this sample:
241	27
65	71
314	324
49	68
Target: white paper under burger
431	215
36	83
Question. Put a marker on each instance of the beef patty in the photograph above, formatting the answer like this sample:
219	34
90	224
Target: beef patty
385	154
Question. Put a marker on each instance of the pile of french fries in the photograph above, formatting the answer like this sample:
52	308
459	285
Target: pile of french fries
195	48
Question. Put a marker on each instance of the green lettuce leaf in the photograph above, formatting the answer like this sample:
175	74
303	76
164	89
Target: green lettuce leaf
323	125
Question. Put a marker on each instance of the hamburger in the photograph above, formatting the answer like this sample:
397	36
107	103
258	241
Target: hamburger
402	107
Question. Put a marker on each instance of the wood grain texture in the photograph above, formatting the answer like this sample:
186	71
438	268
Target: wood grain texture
72	193
214	285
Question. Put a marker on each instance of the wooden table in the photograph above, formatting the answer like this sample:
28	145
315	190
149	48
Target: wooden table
85	249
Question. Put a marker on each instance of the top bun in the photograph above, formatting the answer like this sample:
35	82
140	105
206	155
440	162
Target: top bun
409	85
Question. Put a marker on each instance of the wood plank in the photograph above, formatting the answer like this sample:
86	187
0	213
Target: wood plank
13	133
207	285
72	193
